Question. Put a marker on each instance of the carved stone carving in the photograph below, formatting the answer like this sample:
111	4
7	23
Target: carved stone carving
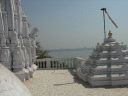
17	43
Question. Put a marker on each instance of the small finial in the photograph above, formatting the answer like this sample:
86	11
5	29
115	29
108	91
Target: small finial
109	34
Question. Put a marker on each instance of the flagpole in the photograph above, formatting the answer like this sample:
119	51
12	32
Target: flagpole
104	9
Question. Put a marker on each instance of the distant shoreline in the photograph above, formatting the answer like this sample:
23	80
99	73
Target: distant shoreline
76	49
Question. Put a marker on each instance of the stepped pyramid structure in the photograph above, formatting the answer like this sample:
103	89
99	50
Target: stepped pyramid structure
17	43
107	66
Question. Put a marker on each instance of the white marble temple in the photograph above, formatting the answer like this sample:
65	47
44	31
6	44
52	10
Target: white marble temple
108	65
17	42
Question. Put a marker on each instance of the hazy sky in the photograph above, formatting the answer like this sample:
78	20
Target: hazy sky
76	23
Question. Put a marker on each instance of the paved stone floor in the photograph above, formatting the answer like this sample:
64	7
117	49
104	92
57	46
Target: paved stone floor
63	83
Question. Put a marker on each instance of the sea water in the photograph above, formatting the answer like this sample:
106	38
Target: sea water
71	53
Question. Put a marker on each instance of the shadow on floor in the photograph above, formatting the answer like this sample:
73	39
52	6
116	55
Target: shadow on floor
63	84
78	80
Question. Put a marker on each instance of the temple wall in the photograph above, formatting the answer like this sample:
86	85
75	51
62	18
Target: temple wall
16	40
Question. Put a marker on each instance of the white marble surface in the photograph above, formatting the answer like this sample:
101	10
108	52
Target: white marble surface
10	85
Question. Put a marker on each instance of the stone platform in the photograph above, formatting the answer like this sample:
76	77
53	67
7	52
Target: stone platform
62	83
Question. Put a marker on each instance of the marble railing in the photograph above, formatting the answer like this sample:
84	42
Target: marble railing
59	63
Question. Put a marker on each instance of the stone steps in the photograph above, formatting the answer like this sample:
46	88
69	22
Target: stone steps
105	81
111	70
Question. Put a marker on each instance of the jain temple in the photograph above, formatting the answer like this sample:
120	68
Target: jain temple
17	42
107	66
